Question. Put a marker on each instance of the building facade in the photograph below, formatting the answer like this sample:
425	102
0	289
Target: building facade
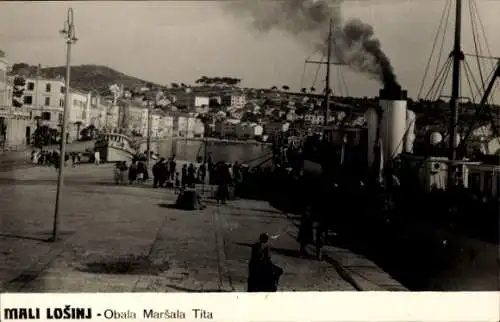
14	122
227	128
237	101
44	99
98	111
78	114
275	128
247	130
191	101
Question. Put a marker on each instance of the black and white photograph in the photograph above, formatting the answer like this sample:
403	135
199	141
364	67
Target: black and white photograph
249	146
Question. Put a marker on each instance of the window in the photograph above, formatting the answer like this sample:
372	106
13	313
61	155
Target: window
31	86
61	103
75	103
45	116
48	88
84	115
60	117
47	101
62	89
28	100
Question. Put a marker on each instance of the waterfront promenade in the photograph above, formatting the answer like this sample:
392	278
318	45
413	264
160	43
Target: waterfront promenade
130	239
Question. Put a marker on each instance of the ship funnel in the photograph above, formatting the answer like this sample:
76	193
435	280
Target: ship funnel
371	117
393	102
410	131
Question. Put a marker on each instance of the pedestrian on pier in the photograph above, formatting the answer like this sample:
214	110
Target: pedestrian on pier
116	172
132	172
73	159
263	275
123	172
306	233
184	175
172	167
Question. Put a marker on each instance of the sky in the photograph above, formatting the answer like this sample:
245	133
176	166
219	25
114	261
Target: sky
179	41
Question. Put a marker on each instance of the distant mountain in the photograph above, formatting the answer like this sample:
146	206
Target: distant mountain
85	77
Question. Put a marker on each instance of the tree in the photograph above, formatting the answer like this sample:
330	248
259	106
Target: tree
18	91
274	88
174	85
285	87
43	136
303	90
312	89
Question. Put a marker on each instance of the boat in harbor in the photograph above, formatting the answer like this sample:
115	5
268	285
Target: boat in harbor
114	147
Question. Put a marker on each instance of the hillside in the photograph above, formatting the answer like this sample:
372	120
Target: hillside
84	77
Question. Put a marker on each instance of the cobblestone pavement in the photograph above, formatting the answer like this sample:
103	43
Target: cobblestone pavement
128	238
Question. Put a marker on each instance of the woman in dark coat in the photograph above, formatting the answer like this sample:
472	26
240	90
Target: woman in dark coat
306	234
263	275
132	172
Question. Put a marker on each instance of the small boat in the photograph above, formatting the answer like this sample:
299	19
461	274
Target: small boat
114	147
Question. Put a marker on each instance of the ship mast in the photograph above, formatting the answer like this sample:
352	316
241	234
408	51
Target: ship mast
458	56
327	80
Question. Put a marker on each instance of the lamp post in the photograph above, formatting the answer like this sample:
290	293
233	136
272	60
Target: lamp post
69	34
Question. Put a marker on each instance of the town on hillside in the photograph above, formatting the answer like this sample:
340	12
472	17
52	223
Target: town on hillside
213	107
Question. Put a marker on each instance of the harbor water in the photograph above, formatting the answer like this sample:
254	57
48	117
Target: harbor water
190	150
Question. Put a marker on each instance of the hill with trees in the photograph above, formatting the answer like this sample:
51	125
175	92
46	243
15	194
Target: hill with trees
84	77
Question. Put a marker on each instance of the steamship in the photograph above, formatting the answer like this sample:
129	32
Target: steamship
444	212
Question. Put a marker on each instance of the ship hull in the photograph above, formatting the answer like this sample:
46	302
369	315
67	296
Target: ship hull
113	154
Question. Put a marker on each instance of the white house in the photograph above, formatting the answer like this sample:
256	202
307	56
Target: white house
44	99
78	114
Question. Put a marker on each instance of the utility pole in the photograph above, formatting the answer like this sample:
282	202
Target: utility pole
69	34
458	56
148	142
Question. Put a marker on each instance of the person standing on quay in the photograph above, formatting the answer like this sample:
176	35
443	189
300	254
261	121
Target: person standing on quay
263	275
132	172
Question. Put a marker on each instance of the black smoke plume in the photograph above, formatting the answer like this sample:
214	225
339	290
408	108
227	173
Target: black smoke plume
354	42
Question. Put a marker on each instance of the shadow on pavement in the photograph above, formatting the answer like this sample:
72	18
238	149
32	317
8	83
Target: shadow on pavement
280	251
129	265
13	236
168	206
183	289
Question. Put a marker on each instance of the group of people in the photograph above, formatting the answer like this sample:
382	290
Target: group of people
137	172
48	158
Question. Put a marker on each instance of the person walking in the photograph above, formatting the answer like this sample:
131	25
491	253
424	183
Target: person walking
263	275
305	235
132	172
97	157
123	172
